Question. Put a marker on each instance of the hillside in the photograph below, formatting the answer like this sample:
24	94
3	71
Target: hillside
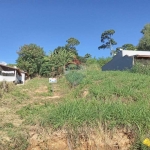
107	110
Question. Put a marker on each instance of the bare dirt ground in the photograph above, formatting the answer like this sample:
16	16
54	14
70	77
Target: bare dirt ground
93	140
46	139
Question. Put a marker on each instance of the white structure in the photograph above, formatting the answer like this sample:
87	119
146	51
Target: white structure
134	53
12	74
125	59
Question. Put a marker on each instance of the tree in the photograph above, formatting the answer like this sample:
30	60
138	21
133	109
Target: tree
45	68
61	58
87	55
106	38
30	59
124	47
128	47
144	43
72	42
71	45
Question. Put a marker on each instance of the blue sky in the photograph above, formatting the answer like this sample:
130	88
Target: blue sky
49	23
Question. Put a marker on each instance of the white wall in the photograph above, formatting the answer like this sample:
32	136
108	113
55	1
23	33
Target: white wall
7	78
132	53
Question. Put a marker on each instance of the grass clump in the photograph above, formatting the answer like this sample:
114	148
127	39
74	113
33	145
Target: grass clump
5	87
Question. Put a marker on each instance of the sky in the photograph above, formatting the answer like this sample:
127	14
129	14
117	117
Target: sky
49	23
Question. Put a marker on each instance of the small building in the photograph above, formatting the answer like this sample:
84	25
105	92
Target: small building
12	74
125	59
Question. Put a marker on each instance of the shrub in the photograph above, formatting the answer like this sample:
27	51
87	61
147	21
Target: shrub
103	61
74	78
141	68
91	61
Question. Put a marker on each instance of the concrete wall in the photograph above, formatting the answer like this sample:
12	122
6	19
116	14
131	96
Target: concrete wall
21	78
7	78
119	63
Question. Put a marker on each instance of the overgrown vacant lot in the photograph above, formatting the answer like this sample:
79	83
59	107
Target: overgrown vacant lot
107	110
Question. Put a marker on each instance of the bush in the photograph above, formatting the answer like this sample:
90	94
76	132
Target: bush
74	78
103	61
141	68
91	61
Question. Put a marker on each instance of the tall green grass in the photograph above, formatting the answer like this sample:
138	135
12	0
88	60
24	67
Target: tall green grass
79	112
118	99
122	97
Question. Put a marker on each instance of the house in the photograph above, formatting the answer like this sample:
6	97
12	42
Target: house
125	59
12	74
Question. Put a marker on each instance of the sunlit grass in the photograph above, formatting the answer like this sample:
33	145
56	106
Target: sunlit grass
118	99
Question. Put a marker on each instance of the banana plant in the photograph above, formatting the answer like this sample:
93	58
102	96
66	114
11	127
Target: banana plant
61	58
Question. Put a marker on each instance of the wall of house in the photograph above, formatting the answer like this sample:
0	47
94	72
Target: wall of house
119	63
7	78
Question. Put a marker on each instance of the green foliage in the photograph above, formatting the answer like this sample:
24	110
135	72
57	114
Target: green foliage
71	42
82	59
100	61
77	112
144	43
126	47
115	99
11	65
91	61
72	67
87	55
46	68
103	61
30	59
141	68
71	45
107	36
60	58
74	78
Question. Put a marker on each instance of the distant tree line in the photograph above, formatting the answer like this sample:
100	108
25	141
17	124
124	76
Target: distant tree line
108	41
33	59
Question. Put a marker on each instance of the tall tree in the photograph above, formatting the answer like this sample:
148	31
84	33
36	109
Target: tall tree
71	45
87	55
30	59
106	38
128	47
144	43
